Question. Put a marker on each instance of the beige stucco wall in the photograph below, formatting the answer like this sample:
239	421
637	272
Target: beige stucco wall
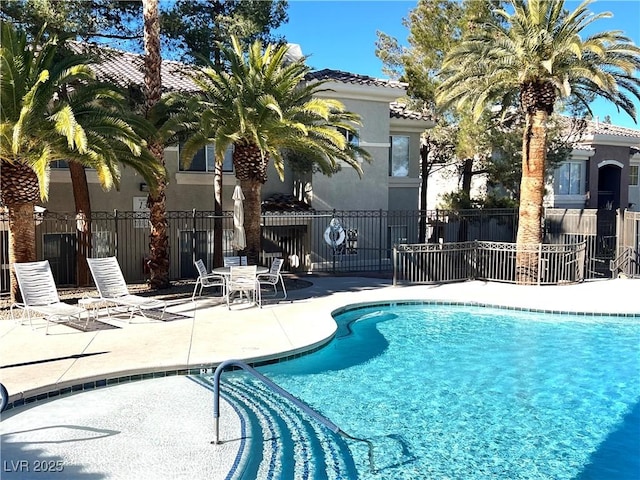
404	191
185	190
375	189
346	190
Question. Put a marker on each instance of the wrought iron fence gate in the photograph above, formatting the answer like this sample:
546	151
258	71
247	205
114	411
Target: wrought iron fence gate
333	241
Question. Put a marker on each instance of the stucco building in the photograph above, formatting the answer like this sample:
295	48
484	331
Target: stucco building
602	171
389	132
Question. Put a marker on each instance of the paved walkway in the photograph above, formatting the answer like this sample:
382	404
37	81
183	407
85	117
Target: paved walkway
164	429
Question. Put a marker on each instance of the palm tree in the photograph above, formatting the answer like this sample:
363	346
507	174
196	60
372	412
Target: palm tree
159	240
533	57
51	108
263	107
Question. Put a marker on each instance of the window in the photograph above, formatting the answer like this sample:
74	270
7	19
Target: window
570	178
59	164
63	164
204	161
634	175
399	157
351	138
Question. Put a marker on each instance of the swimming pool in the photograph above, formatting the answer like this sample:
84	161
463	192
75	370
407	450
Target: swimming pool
459	392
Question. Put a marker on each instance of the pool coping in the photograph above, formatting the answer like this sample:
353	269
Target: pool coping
392	303
133	375
45	392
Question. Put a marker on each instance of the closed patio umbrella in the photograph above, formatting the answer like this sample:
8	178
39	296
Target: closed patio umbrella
239	239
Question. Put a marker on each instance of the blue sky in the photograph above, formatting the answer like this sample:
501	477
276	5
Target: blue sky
341	34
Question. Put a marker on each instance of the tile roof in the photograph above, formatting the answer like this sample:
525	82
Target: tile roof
401	110
600	128
354	78
396	109
584	146
126	68
587	132
595	127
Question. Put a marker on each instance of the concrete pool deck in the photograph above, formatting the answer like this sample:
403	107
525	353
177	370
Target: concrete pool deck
205	333
32	362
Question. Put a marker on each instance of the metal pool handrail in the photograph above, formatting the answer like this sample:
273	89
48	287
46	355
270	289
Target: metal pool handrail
4	397
281	391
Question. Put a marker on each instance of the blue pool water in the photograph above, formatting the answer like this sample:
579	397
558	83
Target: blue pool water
456	392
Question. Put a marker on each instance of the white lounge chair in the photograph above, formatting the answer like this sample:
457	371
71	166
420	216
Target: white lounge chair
243	280
112	287
207	280
273	278
40	295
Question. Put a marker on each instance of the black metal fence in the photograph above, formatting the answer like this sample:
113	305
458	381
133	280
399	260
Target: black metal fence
332	241
627	261
318	241
493	261
598	228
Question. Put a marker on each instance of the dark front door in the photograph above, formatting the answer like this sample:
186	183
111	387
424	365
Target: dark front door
609	187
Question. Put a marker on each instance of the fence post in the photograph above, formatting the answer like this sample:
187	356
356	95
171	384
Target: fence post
333	256
539	264
395	265
380	239
115	233
620	232
193	237
474	257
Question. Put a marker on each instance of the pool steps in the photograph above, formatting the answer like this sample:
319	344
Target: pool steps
285	442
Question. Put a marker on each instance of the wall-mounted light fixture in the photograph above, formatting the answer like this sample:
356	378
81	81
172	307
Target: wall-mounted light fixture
144	187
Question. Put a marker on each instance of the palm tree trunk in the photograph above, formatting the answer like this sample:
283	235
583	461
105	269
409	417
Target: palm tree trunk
251	169
22	240
83	220
252	190
19	192
534	144
158	241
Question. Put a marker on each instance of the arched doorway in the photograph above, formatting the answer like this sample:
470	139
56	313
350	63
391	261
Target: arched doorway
609	174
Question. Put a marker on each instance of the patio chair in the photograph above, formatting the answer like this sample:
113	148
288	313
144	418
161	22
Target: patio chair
112	288
206	280
242	279
40	295
273	278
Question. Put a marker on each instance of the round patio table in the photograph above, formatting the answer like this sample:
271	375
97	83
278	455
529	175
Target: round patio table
227	270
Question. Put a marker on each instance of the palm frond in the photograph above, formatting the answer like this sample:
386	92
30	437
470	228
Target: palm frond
540	43
52	108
